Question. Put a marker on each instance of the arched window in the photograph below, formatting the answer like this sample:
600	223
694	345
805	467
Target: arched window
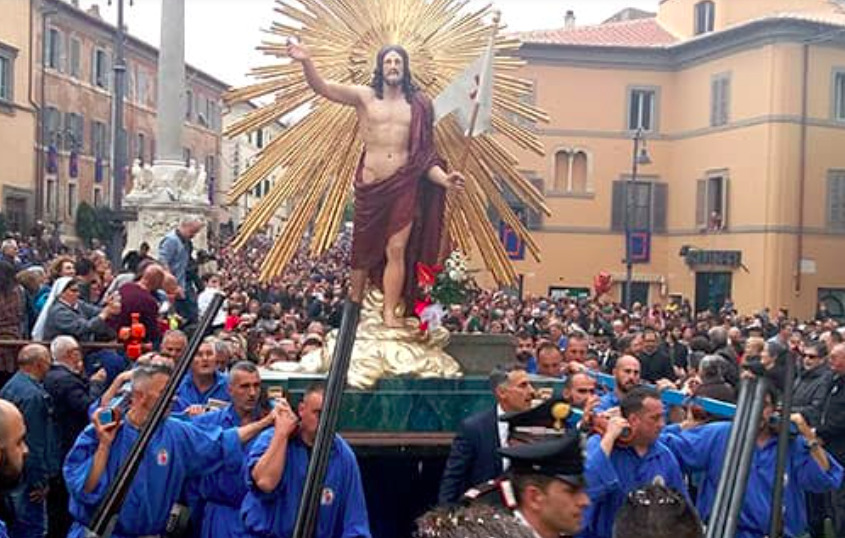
563	169
572	171
579	173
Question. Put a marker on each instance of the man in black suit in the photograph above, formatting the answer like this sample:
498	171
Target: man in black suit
831	428
72	394
474	458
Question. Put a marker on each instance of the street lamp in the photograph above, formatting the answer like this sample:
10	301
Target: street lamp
639	157
41	157
118	141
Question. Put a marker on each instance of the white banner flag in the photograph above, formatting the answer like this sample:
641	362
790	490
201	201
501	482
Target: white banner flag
474	85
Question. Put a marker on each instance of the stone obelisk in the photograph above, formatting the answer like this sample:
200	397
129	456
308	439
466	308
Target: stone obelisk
170	190
171	84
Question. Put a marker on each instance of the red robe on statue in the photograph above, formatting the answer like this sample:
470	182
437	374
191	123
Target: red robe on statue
383	208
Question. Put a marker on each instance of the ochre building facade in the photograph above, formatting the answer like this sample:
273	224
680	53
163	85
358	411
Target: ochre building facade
741	106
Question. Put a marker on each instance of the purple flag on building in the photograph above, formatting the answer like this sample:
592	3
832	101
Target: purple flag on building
52	159
73	164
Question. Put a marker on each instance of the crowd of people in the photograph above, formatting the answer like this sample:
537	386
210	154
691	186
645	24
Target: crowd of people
73	402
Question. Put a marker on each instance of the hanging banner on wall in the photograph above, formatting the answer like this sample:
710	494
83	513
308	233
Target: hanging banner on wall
639	246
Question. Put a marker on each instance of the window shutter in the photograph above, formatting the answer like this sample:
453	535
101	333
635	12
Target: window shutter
617	217
840	96
831	201
107	141
4	78
66	131
94	66
641	205
714	102
649	106
107	82
711	16
534	219
659	207
80	135
720	89
701	204
836	200
726	211
61	52
129	83
74	57
45	56
58	49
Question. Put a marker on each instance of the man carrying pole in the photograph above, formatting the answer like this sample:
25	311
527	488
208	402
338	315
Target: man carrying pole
808	468
178	451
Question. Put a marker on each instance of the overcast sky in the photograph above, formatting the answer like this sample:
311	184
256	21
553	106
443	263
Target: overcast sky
221	35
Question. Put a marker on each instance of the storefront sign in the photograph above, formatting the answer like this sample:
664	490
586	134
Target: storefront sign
721	258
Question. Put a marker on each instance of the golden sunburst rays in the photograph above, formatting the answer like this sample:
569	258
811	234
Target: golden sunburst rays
316	157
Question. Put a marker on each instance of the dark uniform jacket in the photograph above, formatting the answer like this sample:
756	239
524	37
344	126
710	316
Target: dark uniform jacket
473	458
655	366
832	424
36	406
809	393
72	395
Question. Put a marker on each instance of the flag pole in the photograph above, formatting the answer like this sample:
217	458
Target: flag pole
476	107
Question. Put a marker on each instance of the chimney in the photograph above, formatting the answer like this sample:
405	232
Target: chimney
569	20
75	3
94	11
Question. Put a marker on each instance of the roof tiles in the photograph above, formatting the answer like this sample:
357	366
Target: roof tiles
635	33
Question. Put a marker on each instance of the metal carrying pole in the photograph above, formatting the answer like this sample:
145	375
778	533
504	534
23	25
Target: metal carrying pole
715	525
106	515
749	443
776	521
306	517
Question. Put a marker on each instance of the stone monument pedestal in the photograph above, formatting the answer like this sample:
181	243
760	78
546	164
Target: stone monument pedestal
157	220
163	195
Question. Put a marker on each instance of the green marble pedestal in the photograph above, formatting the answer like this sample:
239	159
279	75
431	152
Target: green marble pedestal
402	412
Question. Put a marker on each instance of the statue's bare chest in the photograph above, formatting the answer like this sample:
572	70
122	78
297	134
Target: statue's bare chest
389	114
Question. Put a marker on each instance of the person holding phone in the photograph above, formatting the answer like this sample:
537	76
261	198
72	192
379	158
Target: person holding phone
178	451
275	476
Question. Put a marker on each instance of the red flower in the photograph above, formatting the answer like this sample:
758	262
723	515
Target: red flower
419	306
427	274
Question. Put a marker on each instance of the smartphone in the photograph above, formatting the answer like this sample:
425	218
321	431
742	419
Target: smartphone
268	397
214	403
107	416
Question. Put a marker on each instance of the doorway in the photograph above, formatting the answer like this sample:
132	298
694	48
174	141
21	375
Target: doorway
639	293
711	290
16	214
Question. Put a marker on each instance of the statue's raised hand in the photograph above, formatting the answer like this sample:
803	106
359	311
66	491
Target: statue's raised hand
297	51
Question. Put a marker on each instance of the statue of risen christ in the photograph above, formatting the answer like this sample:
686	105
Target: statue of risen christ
400	182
